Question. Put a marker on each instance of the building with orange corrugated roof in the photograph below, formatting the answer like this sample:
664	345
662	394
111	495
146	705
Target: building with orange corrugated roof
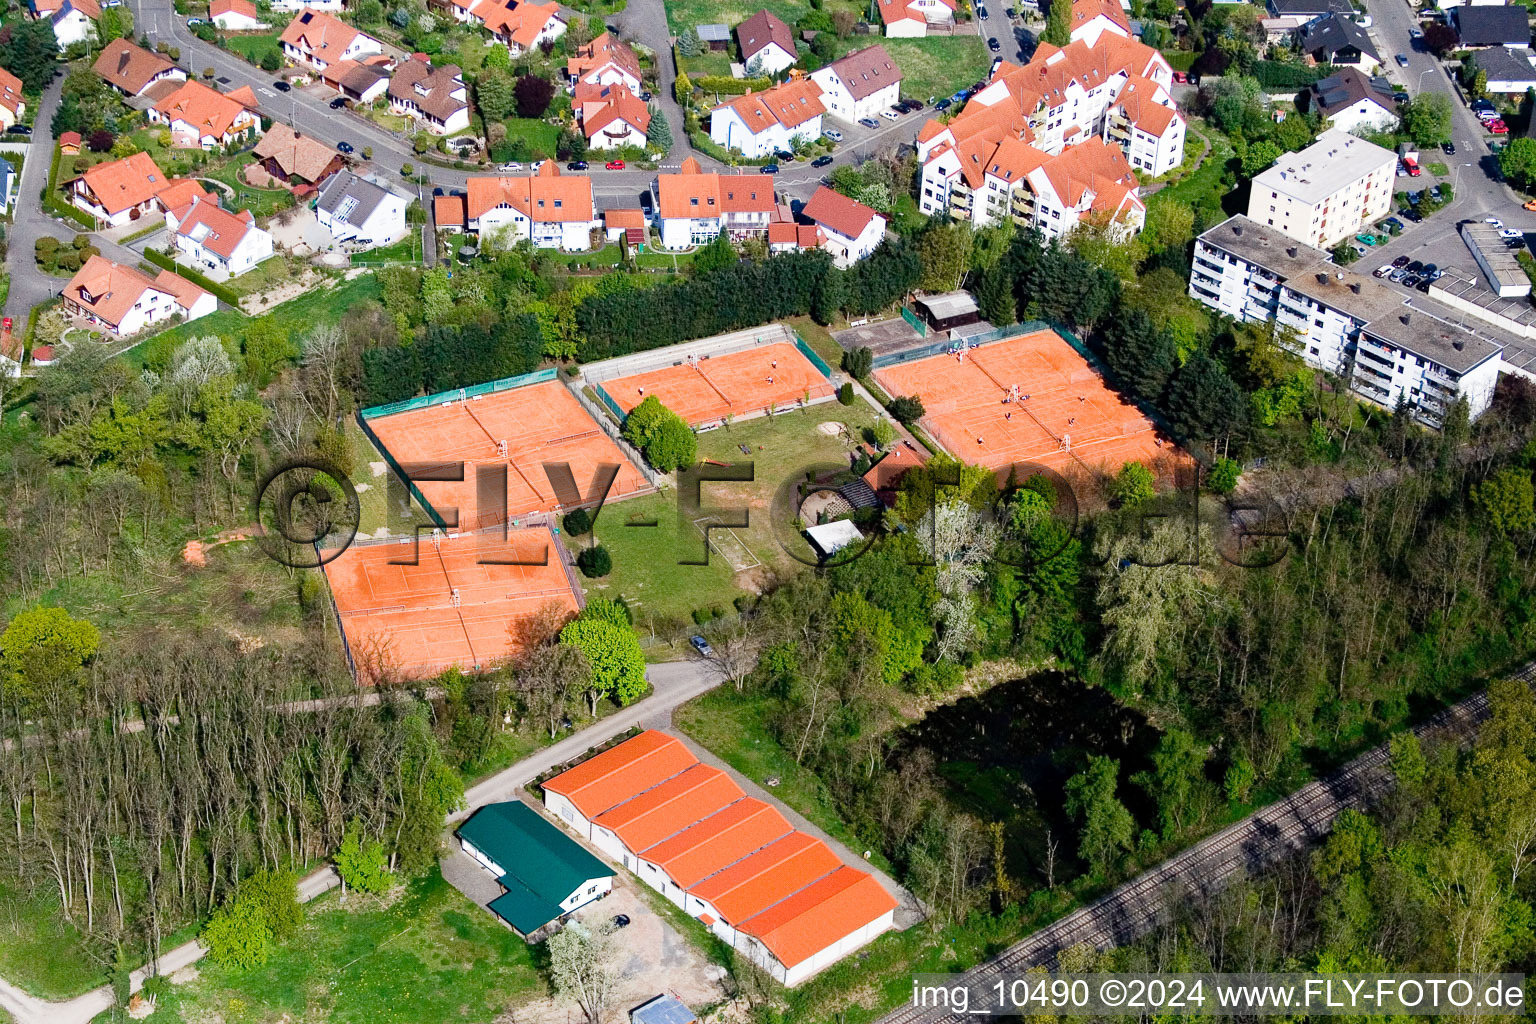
12	105
693	207
549	209
217	239
1102	86
762	123
851	230
121	191
782	897
131	69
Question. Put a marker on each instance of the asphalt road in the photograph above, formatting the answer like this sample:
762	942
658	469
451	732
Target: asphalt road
1473	170
29	285
1138	906
672	683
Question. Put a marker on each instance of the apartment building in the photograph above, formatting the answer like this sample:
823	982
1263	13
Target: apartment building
1103	87
1327	192
1388	344
551	210
692	207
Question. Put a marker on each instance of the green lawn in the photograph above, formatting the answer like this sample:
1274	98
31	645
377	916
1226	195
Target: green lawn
38	950
431	956
407	250
263	202
254	47
939	65
645	558
711	62
682	13
542	139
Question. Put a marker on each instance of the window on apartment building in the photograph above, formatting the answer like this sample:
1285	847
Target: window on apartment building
1314	350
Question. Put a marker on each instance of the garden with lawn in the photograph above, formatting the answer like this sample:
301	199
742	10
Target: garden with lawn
940	65
255	46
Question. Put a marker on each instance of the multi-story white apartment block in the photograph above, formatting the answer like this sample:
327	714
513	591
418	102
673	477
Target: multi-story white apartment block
1388	344
1104	87
1326	192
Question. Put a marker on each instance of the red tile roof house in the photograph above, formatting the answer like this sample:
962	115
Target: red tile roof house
216	239
731	861
760	124
295	159
767	44
859	85
122	191
611	116
852	230
606	60
517	24
909	19
131	69
549	209
125	301
12	106
320	40
434	96
74	21
204	118
693	207
235	15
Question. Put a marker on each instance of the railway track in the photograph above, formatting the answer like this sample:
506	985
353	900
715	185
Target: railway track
1241	848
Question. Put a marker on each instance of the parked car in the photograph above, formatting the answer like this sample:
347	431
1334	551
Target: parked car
1437	275
1394	225
614	165
1530	204
1448	148
19	129
645	96
1409	281
821	161
1415	34
981	12
869	122
1498	128
1413	215
438	192
890	115
1397	275
1510	234
1365	239
702	646
1180	78
1402	60
943	105
576	165
910	106
645	201
194	22
1493	222
534	167
768	169
994	45
833	134
1382	271
1400	262
1415	197
1429	272
510	168
1415	267
1412	167
282	86
343	147
1422	286
1011	12
338	103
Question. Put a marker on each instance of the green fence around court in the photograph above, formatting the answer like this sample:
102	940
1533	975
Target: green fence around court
394	467
943	345
602	393
444	397
916	322
810	353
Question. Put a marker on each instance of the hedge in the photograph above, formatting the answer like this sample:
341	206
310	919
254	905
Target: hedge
219	291
709	147
1275	75
1180	60
731	86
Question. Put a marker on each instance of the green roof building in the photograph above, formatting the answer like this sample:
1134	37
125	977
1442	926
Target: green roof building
546	874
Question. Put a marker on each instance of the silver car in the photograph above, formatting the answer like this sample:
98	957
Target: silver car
833	134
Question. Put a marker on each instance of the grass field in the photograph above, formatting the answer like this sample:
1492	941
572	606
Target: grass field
432	955
645	558
407	250
39	951
254	47
263	202
939	65
682	13
542	139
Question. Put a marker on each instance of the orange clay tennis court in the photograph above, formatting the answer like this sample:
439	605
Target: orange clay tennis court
448	609
539	423
1070	418
737	383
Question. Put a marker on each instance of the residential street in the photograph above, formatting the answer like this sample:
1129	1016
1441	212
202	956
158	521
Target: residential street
29	285
673	683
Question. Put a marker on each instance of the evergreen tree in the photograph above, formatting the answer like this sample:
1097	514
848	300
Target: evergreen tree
1142	357
1058	27
659	135
1203	404
29	51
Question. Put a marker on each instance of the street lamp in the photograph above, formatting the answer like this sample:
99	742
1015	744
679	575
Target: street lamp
1427	71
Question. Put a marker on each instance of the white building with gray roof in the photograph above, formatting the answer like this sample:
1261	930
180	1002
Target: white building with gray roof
359	212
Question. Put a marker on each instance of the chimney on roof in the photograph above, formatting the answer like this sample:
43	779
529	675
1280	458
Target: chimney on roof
1458	344
1237	229
1354	286
1290	251
1339	275
1405	318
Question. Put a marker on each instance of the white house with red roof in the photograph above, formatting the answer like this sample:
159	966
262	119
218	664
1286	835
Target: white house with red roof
986	163
125	301
611	116
850	230
859	85
12	106
216	239
235	16
759	124
692	207
606	60
319	40
74	21
909	19
549	209
767	44
519	25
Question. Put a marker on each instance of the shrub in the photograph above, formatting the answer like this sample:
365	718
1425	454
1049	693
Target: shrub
271	61
845	394
661	435
1223	476
907	409
577	522
858	362
594	562
1134	485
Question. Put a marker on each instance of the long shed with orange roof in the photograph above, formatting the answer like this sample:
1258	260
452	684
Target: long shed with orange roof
781	896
